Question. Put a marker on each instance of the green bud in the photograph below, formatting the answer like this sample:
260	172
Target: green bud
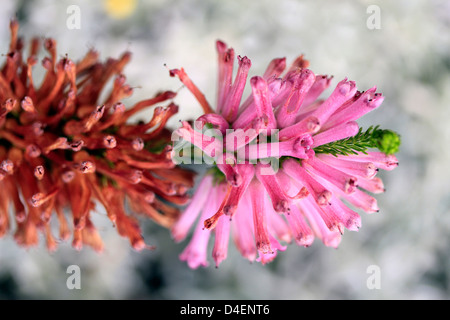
387	141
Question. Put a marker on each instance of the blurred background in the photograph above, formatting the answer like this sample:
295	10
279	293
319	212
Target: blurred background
405	52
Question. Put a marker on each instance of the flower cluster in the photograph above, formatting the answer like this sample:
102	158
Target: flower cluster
323	161
62	147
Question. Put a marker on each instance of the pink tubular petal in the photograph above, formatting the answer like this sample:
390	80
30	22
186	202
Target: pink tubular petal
257	194
374	185
269	257
280	201
231	106
298	173
342	131
231	174
366	102
247	118
266	257
285	182
211	146
263	103
328	237
296	148
246	171
379	159
349	218
222	234
389	162
308	110
181	227
327	214
263	150
344	90
242	230
226	62
275	68
362	200
281	89
359	169
320	84
277	225
216	120
287	113
236	139
234	194
341	180
308	125
195	254
302	233
290	188
277	90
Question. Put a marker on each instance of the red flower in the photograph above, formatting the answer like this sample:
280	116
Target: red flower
61	147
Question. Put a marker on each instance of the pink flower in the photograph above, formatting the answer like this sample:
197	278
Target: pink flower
285	187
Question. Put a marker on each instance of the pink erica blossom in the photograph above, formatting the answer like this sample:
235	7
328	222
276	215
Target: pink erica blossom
263	205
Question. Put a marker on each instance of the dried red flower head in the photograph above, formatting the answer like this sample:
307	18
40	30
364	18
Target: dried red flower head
62	148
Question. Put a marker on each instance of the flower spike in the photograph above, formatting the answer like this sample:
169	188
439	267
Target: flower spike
64	149
288	161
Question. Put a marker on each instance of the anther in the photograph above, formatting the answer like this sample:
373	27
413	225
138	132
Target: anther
109	142
39	172
87	167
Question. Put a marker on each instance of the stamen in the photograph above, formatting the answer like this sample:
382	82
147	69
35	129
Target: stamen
87	167
39	172
181	74
60	143
7	106
94	118
67	176
137	144
76	145
32	151
39	199
109	142
7	166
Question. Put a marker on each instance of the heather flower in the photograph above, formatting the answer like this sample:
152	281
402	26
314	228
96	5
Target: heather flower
296	166
64	149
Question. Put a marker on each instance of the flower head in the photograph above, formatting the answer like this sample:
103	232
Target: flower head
63	147
285	161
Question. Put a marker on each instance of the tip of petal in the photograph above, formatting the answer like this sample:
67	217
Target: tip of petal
245	62
333	239
221	46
